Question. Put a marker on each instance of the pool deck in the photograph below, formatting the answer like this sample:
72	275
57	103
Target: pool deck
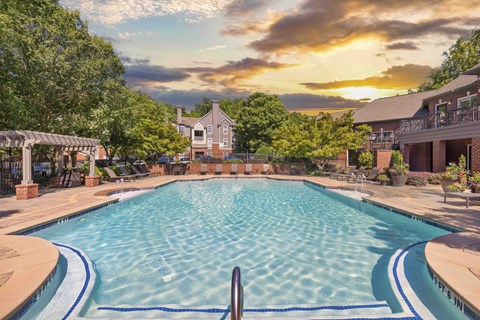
455	258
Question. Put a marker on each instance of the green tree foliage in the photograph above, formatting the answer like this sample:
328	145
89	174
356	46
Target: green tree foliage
258	119
461	56
52	71
320	139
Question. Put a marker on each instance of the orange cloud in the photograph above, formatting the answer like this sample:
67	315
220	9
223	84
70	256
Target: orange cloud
397	77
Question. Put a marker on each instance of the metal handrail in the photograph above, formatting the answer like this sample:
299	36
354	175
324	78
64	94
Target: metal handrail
236	295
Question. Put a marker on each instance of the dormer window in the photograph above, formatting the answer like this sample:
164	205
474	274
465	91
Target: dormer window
225	129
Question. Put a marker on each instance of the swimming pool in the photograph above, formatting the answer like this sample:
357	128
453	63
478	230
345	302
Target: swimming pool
295	242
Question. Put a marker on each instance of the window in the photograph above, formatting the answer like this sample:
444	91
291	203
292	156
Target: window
225	154
441	114
225	142
466	102
209	129
181	129
225	129
198	135
209	142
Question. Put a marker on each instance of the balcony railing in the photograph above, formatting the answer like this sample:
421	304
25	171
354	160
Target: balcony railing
440	119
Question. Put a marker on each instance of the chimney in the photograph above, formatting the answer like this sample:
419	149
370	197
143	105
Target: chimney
179	115
216	106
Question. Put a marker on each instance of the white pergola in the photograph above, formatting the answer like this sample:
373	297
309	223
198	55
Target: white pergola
27	139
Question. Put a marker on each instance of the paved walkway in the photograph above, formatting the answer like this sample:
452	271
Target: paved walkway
425	202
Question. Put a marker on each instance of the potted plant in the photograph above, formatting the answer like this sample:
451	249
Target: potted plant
399	170
383	179
474	182
454	173
456	187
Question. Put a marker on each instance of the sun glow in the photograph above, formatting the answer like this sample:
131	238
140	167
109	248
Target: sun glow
360	93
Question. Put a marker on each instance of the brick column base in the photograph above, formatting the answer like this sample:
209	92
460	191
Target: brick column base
26	191
382	158
92	181
439	155
475	154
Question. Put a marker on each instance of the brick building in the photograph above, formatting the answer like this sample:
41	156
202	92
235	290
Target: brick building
211	135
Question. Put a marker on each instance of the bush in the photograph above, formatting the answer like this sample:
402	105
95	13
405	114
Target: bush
366	159
434	178
417	179
103	172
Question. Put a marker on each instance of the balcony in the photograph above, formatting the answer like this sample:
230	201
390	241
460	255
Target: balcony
442	119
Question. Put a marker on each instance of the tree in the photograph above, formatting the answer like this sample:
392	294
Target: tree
320	140
461	56
52	71
257	121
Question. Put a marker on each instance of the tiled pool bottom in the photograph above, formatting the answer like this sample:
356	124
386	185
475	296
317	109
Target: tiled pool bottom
286	237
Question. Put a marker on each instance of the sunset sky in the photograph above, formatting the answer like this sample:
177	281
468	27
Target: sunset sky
312	53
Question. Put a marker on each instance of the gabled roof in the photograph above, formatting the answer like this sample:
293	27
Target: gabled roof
221	111
391	108
455	84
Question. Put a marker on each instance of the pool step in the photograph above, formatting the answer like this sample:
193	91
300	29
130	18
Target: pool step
303	311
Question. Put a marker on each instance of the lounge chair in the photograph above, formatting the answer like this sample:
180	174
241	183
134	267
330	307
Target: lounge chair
266	169
248	169
350	172
218	169
372	176
357	174
331	174
177	170
113	176
126	173
139	172
234	169
203	169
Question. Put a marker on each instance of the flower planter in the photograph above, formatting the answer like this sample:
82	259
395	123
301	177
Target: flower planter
445	183
399	180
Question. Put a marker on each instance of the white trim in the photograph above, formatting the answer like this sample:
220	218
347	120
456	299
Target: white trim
467	97
209	129
225	129
225	142
209	143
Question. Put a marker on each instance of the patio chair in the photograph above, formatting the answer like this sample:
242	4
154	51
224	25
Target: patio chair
177	170
331	174
248	169
126	173
372	176
266	169
113	176
203	169
357	174
234	169
339	176
139	172
219	169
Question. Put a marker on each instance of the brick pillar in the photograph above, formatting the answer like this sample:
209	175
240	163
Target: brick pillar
26	191
475	156
405	149
439	155
383	158
92	181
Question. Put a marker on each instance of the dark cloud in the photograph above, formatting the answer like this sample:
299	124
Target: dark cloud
245	7
322	25
409	45
189	98
230	74
397	77
139	71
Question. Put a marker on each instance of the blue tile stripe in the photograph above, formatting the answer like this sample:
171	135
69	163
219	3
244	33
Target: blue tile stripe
266	310
85	284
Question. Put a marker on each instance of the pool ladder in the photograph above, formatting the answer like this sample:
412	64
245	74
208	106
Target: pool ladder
236	304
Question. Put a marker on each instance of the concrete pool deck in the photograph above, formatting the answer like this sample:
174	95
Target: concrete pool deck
423	202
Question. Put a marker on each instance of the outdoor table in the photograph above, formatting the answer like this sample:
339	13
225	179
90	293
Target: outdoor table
466	196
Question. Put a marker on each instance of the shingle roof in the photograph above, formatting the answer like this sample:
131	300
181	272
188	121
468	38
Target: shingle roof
189	121
391	108
461	81
473	71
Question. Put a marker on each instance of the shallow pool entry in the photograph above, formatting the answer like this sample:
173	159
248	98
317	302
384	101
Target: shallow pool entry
304	252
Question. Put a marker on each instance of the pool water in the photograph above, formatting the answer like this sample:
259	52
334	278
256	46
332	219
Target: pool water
295	243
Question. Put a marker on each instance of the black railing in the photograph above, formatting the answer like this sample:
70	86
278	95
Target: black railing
440	119
236	304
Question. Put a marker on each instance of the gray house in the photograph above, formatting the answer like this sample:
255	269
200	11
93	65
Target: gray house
212	135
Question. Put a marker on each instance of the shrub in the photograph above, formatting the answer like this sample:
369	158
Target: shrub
383	177
434	178
366	159
417	179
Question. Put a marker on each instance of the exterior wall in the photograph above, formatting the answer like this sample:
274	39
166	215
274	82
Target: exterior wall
475	156
451	98
228	135
390	125
420	157
438	155
382	158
